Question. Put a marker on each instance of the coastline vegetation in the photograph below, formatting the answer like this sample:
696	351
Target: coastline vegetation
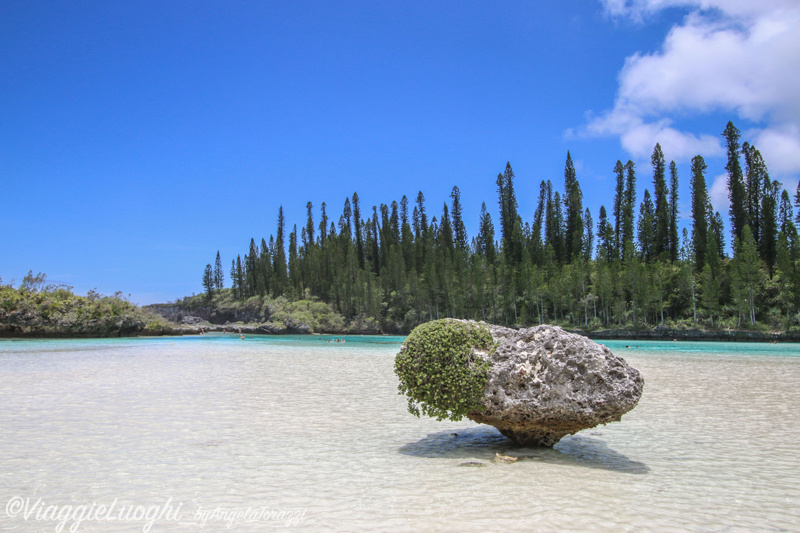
39	309
393	268
396	268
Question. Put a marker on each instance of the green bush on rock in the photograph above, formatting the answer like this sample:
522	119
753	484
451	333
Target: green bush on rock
439	370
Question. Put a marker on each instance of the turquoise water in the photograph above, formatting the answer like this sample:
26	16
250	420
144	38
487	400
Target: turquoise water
316	431
709	349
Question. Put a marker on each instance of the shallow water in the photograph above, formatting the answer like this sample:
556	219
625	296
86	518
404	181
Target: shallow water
313	434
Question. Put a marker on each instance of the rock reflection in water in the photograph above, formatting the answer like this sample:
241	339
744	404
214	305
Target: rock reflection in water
482	443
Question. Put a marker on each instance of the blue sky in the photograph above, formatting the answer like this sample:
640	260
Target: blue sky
138	138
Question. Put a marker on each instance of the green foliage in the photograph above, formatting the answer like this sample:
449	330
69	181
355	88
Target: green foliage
37	309
439	370
391	272
223	306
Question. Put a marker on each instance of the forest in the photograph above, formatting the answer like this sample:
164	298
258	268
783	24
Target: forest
396	266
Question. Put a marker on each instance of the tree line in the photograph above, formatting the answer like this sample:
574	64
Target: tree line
633	268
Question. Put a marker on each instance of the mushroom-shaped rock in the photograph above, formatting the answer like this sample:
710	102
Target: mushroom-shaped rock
541	383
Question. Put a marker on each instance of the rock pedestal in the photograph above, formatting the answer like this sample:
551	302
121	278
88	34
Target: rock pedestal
545	383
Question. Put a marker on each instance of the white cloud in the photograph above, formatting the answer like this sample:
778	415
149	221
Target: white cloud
638	9
733	56
639	137
718	194
780	147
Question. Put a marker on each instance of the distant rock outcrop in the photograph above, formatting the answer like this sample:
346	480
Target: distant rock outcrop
545	383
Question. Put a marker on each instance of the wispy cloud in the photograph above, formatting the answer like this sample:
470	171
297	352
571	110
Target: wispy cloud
726	55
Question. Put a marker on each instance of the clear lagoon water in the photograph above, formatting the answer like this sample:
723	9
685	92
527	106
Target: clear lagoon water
213	432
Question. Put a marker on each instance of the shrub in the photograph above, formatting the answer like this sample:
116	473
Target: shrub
439	370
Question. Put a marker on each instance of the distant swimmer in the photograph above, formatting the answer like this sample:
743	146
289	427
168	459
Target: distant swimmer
241	337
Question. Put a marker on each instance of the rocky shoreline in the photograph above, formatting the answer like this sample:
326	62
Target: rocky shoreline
193	325
667	334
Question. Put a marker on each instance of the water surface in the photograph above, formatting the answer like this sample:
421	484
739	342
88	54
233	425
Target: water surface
304	426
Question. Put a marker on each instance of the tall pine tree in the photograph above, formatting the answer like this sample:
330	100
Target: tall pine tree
485	240
208	279
647	228
674	244
219	276
737	193
619	203
573	210
699	211
459	230
662	215
628	203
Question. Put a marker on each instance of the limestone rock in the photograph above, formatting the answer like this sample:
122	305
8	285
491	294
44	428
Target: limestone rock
545	383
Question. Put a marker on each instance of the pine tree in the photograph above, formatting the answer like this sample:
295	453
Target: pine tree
673	212
647	228
662	215
359	234
788	228
240	277
234	286
421	233
619	201
510	227
737	192
406	234
279	256
375	243
459	230
422	215
716	228
265	268
552	224
748	276
768	243
538	224
711	275
754	187
323	225
308	234
346	221
219	276
250	265
392	226
588	238
208	279
785	213
605	235
485	239
573	207
446	239
294	264
710	286
558	226
789	280
797	205
628	203
699	211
